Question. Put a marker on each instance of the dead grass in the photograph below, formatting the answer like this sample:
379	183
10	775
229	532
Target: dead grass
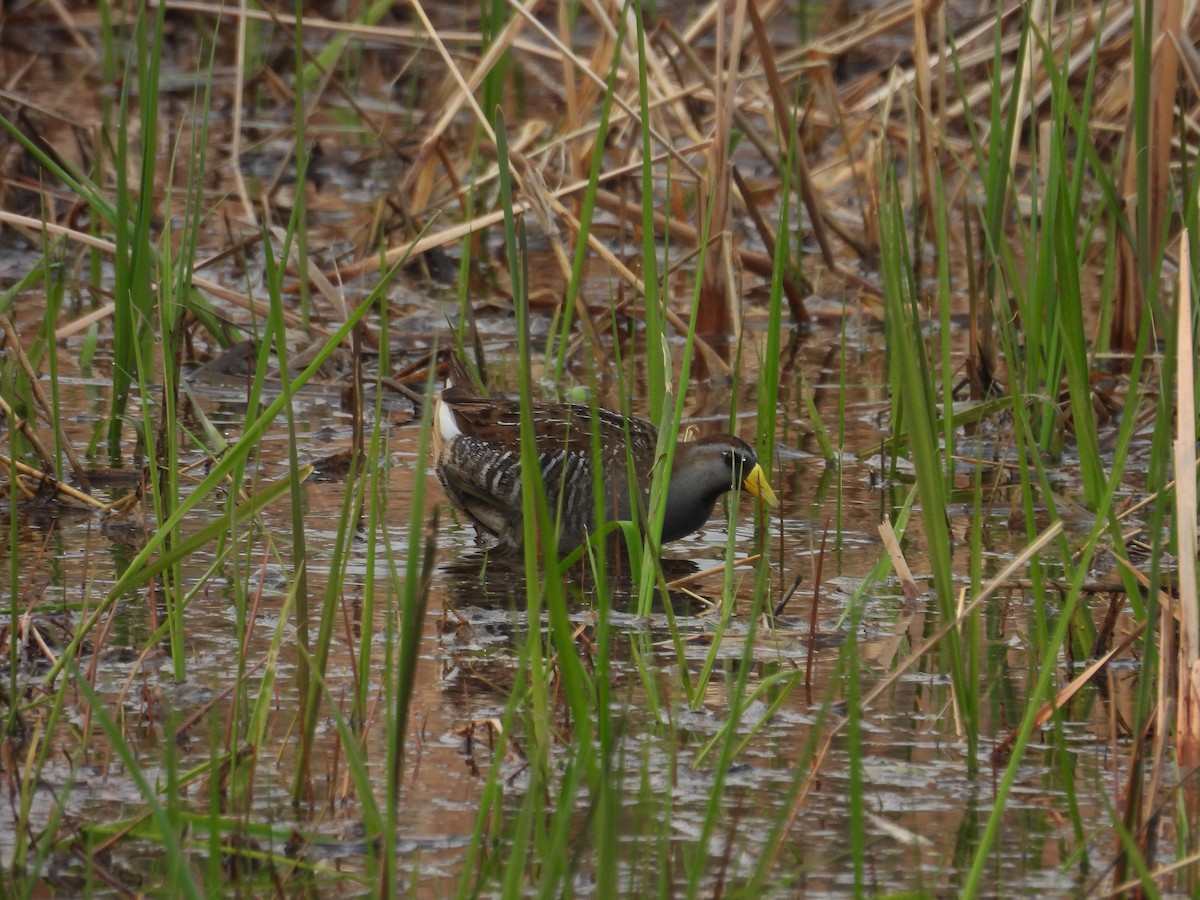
873	80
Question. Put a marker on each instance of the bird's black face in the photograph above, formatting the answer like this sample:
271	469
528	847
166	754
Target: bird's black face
741	461
722	463
745	472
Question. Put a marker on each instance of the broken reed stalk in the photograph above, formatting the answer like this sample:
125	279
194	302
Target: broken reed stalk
1187	723
1146	176
719	308
924	113
9	339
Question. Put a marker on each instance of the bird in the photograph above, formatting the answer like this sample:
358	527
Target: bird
477	453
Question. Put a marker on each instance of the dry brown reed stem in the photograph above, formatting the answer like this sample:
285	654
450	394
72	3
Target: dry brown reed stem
468	85
855	170
57	486
661	88
1023	81
1189	58
260	309
543	205
1130	888
333	296
465	94
68	22
1187	724
924	96
864	29
235	137
9	339
315	100
1134	791
803	174
1158	726
27	630
686	580
399	34
1063	697
1081	27
891	545
628	110
793	292
764	264
661	95
15	422
854	35
455	233
758	263
1134	263
719	306
708	80
577	99
975	47
1116	33
666	98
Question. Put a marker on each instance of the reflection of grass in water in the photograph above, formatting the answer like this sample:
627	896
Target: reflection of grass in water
591	794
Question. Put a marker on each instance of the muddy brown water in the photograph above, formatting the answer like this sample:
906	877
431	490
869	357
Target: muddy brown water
924	810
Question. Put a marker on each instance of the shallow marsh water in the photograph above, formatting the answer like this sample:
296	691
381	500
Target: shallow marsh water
924	809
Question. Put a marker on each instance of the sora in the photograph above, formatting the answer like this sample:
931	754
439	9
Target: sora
476	444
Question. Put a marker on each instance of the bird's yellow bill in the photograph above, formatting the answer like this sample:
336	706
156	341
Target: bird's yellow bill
756	483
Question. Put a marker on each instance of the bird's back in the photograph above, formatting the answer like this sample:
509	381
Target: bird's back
478	452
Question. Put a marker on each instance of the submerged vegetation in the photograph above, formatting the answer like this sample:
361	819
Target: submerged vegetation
936	268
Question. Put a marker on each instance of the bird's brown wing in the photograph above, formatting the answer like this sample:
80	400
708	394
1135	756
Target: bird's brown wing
556	426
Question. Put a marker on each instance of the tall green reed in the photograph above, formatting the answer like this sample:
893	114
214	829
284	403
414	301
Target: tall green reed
275	335
418	572
914	409
180	878
135	259
555	659
162	426
1050	348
